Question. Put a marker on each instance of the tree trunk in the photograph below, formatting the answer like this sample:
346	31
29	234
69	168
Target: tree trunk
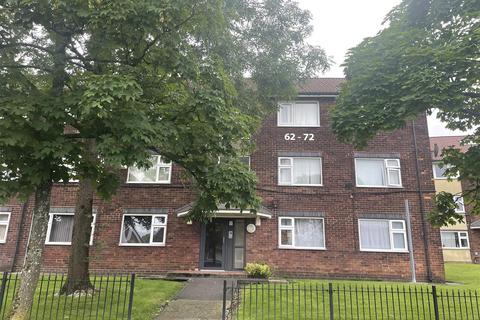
34	255
78	278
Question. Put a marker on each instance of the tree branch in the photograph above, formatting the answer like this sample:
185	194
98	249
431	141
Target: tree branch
79	56
25	44
23	66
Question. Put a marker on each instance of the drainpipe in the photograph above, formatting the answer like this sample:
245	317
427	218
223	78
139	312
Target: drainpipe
23	213
410	242
426	244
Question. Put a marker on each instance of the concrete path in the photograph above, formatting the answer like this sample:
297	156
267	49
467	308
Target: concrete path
200	299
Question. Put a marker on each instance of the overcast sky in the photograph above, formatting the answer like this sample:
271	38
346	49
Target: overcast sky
342	24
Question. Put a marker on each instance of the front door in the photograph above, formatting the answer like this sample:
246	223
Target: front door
223	244
214	245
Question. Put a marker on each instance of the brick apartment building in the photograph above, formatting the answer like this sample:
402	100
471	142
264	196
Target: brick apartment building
460	242
328	210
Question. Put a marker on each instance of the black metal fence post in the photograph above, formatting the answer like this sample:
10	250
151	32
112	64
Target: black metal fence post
130	298
2	288
435	302
330	299
224	305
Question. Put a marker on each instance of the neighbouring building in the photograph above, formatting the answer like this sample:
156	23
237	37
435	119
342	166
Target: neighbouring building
328	209
460	242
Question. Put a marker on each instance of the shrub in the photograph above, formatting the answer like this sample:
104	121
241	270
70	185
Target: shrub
258	270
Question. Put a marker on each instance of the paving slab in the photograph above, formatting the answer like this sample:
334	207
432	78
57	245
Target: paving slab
200	299
185	309
204	289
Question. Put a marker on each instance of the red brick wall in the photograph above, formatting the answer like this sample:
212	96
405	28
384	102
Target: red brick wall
474	237
342	204
338	200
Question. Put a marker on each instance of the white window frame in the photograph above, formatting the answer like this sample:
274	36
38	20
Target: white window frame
386	169
249	161
459	239
280	166
49	229
7	223
159	164
460	208
391	232
292	228
435	174
150	244
294	103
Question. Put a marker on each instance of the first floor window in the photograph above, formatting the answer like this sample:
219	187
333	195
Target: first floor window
302	233
378	172
60	229
245	160
460	205
159	172
454	239
4	221
144	229
382	235
300	171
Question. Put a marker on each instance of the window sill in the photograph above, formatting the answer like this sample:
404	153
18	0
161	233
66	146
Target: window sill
300	185
61	244
141	245
297	126
142	182
383	187
385	251
446	248
302	248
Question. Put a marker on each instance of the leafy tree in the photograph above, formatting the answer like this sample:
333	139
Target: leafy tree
91	86
426	57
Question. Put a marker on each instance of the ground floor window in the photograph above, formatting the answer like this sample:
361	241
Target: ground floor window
382	235
60	229
143	230
301	233
455	240
4	221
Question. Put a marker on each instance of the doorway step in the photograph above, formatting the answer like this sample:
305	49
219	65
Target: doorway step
186	274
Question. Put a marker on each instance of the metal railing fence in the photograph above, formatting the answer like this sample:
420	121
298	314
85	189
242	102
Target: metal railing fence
112	297
309	300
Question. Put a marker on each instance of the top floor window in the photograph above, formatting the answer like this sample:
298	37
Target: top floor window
299	114
439	170
160	172
376	172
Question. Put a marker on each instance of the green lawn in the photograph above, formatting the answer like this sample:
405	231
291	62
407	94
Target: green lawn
309	299
465	274
110	300
150	295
